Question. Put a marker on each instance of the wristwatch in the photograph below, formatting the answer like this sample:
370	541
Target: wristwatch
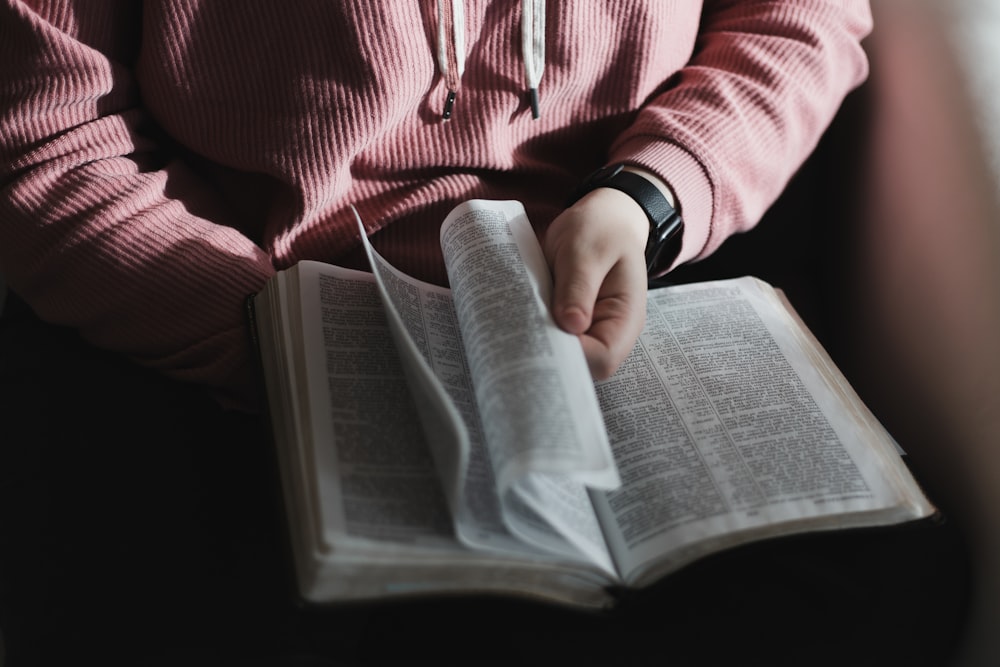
665	223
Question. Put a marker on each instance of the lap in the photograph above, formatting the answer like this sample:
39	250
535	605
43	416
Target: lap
139	520
131	506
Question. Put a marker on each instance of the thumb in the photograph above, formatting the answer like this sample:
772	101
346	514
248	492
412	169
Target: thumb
576	283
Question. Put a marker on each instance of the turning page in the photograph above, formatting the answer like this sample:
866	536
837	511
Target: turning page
540	414
533	383
535	436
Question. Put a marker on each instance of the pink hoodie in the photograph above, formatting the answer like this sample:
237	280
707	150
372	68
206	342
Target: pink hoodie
159	160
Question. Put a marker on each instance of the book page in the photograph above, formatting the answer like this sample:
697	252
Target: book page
540	415
536	508
422	318
390	446
376	479
727	419
531	380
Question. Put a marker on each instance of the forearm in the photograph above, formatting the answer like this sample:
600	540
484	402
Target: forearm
100	231
763	83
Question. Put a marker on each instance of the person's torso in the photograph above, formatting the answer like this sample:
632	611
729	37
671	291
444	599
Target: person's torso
298	110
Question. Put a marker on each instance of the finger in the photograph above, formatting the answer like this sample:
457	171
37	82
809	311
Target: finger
618	319
578	276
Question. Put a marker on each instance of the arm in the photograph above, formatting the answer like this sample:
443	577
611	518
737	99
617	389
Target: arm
763	83
101	230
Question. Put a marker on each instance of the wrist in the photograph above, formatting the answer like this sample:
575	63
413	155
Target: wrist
608	206
652	195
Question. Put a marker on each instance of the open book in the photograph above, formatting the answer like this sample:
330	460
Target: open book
436	440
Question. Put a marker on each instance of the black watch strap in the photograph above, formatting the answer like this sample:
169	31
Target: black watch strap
665	223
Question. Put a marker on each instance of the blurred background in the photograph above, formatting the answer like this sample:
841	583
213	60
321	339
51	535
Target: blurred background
923	294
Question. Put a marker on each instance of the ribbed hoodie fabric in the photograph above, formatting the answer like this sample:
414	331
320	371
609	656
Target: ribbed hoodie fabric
159	162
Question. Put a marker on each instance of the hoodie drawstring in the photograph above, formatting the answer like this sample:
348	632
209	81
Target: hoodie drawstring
533	47
451	48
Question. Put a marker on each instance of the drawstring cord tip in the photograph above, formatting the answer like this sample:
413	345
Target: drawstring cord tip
449	104
533	93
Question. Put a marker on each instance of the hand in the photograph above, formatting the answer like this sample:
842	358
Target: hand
596	250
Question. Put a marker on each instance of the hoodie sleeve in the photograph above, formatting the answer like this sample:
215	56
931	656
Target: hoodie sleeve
765	80
98	229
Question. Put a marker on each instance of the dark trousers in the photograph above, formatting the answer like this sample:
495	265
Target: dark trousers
140	524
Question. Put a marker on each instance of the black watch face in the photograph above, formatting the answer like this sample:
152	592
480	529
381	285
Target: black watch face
664	245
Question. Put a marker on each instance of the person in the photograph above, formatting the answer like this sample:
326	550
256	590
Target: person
160	161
